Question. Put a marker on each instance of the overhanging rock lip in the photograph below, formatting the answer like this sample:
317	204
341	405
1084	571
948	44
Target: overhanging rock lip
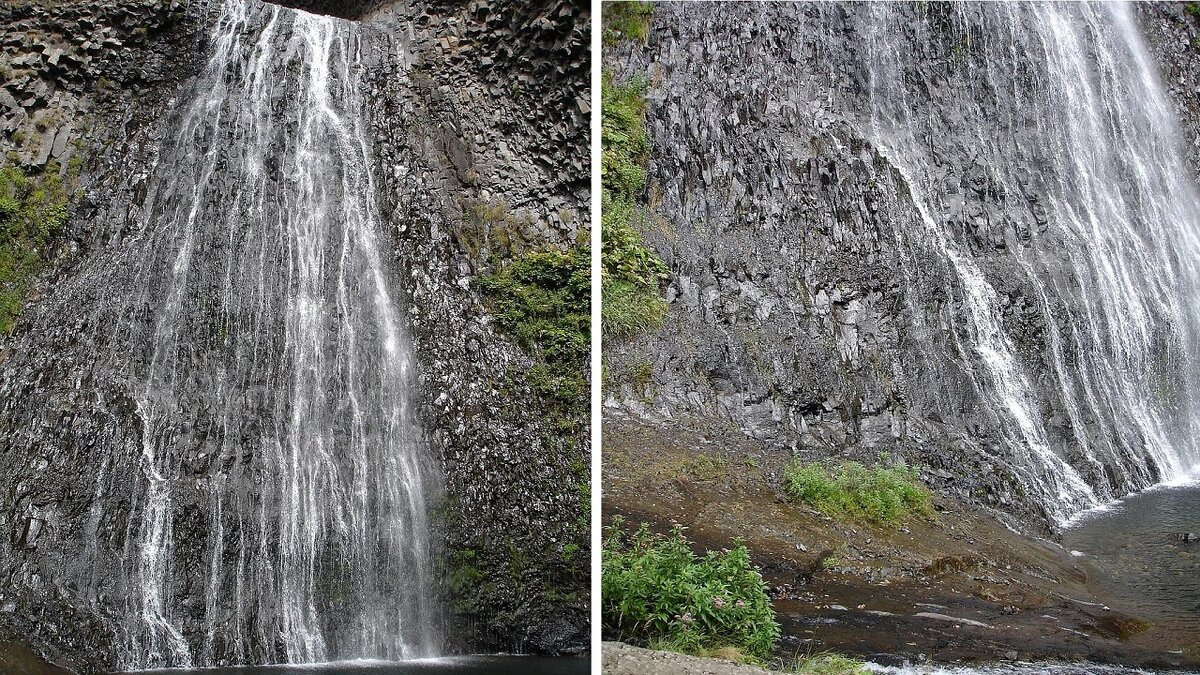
346	9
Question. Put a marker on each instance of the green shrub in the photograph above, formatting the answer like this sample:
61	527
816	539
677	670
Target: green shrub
656	591
544	299
626	21
626	256
878	494
33	211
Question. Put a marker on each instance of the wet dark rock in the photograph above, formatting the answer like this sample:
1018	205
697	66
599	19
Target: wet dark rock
807	308
101	78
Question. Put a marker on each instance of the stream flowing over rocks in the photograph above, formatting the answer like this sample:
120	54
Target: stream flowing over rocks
256	410
967	235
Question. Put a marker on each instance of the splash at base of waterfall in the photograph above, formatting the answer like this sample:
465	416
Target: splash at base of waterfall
458	665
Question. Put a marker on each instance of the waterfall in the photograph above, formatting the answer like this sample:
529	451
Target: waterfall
1059	108
276	400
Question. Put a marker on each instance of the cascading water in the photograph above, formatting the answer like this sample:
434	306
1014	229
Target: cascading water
1057	103
279	380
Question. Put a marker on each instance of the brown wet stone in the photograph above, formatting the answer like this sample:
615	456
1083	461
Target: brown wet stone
857	589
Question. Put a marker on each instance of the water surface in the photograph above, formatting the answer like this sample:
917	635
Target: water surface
464	665
1134	545
1018	668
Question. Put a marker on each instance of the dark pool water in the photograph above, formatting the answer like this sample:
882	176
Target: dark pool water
1019	669
466	665
1134	545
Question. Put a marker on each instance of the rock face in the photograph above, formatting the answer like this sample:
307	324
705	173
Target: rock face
467	104
922	230
489	116
346	9
67	66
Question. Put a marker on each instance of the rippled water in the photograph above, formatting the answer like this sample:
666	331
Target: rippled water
1136	542
464	665
1017	669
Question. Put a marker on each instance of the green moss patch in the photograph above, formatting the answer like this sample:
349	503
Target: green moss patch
33	212
544	299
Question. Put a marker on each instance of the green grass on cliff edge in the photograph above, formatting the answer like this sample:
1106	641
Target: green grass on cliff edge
33	211
626	21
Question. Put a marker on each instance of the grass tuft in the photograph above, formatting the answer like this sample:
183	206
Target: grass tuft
886	496
626	21
828	663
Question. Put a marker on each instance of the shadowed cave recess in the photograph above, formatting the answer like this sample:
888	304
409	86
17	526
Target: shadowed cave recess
346	10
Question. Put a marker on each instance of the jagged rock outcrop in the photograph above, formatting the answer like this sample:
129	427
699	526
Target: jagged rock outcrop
493	113
471	103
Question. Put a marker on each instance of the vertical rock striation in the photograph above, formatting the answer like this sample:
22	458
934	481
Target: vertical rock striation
963	233
259	391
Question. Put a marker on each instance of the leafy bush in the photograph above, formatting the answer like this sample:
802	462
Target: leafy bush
877	494
626	21
626	257
632	273
32	212
544	299
656	591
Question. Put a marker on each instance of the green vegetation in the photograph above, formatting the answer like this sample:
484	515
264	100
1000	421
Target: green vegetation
632	272
623	136
626	21
886	496
544	299
33	211
700	468
656	591
465	576
828	663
